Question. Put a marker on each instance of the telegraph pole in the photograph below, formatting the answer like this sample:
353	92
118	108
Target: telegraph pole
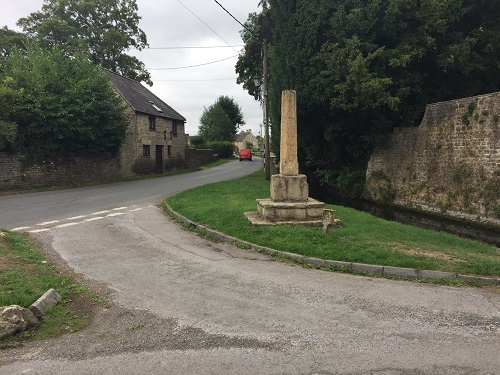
267	158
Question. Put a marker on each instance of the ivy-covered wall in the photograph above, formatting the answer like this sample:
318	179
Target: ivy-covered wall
449	164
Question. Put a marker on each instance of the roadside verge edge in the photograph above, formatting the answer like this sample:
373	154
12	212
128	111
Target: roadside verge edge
333	265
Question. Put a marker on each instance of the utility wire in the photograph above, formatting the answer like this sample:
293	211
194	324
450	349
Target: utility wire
194	66
190	11
193	80
196	47
234	18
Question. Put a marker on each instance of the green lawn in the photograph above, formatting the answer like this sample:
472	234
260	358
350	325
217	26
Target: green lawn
363	238
25	275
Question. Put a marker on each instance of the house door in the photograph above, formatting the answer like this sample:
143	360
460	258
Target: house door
159	159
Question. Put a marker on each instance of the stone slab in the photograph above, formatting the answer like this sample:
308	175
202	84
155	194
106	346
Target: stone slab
257	220
290	211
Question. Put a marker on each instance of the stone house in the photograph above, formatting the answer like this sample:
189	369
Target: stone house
155	139
243	138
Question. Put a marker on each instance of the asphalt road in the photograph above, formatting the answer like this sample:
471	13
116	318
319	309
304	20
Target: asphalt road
191	306
27	209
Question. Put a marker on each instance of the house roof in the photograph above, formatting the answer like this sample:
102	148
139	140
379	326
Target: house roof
241	137
141	99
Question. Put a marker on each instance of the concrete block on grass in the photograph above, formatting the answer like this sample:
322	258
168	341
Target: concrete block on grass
45	303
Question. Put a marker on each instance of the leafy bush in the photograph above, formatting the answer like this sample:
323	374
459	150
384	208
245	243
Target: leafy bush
197	141
65	105
223	149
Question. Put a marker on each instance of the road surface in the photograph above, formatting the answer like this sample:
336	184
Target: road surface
190	306
27	209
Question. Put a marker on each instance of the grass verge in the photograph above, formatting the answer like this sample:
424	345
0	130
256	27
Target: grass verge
25	275
363	238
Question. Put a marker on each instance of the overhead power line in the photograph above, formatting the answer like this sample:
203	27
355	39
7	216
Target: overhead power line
194	66
190	11
234	18
194	80
196	47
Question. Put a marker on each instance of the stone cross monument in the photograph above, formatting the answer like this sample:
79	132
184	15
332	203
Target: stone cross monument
289	202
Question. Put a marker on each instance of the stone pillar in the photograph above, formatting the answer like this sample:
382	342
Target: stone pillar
289	202
289	185
289	165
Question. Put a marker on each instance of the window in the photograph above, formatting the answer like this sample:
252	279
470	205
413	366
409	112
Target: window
169	150
146	150
152	123
174	128
155	106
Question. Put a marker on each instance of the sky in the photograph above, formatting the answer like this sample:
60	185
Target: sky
176	23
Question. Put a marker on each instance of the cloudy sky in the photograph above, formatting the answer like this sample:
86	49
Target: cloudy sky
176	23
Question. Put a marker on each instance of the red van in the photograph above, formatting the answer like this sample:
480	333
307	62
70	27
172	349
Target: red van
245	153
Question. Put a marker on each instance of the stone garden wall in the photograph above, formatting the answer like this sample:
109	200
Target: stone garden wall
59	171
450	164
198	157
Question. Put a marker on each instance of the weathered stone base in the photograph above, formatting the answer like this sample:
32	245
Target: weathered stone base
289	188
256	220
270	212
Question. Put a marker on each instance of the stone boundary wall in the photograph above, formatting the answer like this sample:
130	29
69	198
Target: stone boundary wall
449	165
62	170
198	157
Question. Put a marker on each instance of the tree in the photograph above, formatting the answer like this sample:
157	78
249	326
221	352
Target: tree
10	39
220	121
105	29
258	28
64	104
362	67
231	109
8	100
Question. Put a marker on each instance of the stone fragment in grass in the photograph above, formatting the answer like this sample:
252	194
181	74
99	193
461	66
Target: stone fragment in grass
15	319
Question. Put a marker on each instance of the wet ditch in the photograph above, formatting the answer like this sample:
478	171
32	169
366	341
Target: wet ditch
428	220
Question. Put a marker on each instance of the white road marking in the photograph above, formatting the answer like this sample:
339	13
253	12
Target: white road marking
100	212
39	230
76	217
66	225
48	223
18	229
73	219
95	218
